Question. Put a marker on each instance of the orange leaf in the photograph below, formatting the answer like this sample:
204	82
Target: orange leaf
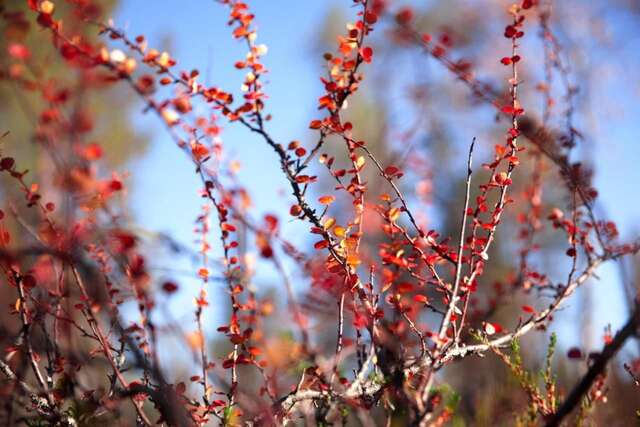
326	200
228	227
194	339
353	260
315	124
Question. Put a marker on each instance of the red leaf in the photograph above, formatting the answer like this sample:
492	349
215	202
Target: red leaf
391	170
271	221
217	403
68	51
404	287
115	185
92	152
321	244
295	210
404	16
169	287
370	17
29	281
421	298
367	54
236	339
528	309
510	31
7	163
574	353
18	51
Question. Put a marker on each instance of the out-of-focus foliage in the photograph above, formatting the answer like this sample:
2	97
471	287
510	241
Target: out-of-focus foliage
104	115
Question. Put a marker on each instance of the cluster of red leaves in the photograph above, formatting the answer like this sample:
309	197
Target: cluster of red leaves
88	265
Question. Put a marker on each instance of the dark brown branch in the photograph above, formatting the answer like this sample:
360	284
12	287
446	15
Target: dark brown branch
596	369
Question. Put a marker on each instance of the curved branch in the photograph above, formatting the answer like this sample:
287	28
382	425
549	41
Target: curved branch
540	318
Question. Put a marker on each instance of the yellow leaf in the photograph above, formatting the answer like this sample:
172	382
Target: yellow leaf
329	223
394	214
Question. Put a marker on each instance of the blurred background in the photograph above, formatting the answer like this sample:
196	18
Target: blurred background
410	110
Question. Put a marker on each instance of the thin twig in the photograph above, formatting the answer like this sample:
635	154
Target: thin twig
463	223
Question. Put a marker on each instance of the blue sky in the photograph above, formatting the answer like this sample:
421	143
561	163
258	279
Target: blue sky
199	38
164	193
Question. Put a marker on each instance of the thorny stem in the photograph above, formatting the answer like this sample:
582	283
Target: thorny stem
199	309
453	299
340	337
